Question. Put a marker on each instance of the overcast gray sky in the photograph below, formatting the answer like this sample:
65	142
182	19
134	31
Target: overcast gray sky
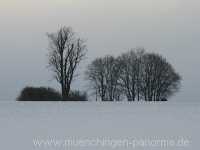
169	27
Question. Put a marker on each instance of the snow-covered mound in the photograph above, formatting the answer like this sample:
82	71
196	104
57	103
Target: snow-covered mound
99	126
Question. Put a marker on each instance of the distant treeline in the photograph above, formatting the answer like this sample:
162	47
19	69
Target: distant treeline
134	75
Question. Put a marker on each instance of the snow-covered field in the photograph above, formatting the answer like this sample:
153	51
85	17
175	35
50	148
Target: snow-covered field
99	126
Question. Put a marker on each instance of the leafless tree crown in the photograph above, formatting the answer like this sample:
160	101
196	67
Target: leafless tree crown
66	51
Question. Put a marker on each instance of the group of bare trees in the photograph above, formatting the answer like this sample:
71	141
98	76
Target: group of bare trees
136	75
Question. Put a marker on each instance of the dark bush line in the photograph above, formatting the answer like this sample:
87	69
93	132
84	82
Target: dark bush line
39	94
77	96
48	94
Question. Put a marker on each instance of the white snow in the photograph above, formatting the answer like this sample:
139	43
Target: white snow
23	123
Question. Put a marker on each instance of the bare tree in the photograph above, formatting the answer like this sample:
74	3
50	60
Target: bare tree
103	74
112	70
147	76
96	75
130	73
66	51
159	79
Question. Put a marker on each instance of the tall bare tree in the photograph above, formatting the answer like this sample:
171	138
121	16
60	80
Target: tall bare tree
66	51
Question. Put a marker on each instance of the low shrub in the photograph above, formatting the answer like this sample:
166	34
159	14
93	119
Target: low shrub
39	94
